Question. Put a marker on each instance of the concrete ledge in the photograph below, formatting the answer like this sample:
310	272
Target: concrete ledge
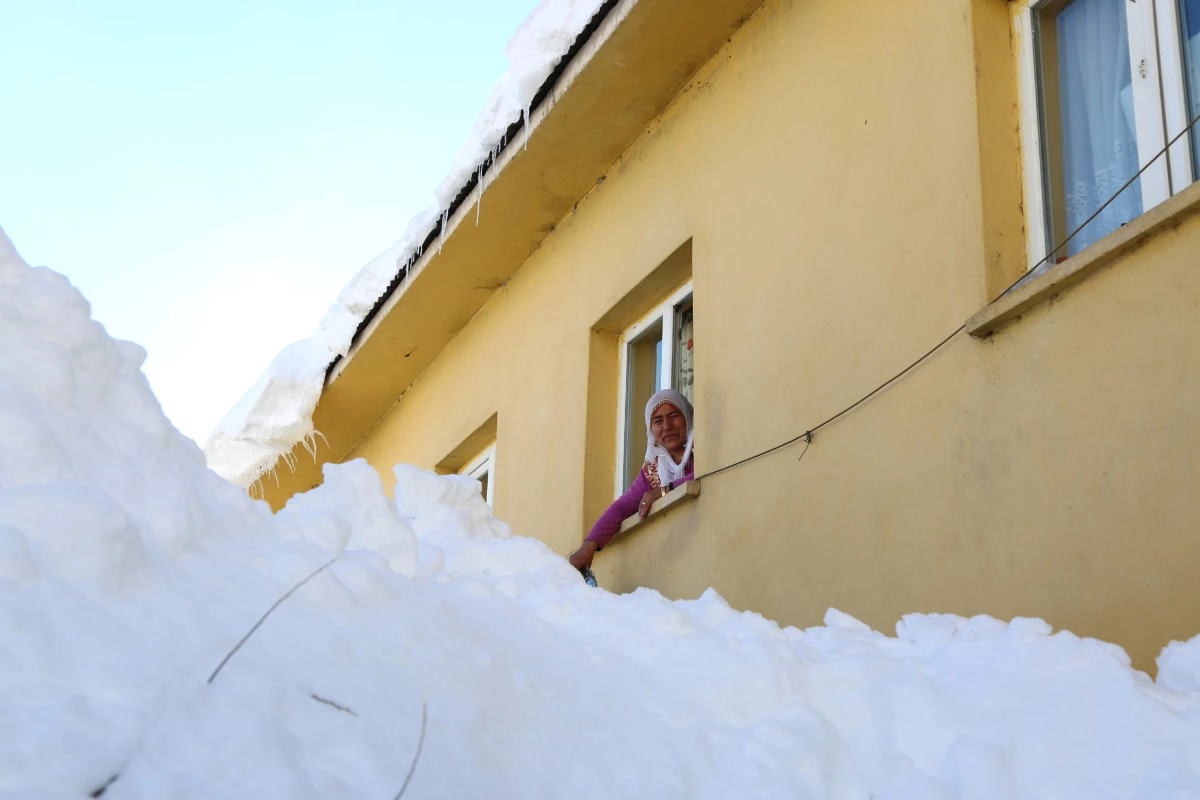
1059	277
680	494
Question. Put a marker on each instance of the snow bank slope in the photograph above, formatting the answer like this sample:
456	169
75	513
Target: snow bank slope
276	413
128	571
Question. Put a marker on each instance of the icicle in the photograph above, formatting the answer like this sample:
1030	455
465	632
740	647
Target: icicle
310	444
526	118
478	200
445	222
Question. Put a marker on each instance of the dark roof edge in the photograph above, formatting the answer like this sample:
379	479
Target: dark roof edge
510	137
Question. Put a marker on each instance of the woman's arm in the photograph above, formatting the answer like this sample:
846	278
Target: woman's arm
622	509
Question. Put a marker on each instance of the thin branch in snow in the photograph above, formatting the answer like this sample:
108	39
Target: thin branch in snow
137	750
420	744
338	706
102	788
263	618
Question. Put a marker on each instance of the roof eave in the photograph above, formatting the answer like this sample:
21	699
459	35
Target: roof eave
640	54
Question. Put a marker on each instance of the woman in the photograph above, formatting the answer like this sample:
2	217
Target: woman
669	463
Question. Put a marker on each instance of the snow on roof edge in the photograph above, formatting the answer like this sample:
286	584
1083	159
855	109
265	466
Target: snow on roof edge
275	414
492	159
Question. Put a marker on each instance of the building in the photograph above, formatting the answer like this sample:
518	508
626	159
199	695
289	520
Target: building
779	206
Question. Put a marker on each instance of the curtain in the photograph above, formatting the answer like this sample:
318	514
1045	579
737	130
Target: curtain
1099	141
686	375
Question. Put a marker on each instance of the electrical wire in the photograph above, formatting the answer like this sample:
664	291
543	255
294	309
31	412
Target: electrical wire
808	435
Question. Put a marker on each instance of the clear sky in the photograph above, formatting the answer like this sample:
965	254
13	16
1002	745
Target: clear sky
211	174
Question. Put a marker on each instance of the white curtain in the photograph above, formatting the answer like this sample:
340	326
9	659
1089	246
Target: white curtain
684	359
1099	140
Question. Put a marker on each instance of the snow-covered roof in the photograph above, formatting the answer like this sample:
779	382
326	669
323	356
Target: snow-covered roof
276	413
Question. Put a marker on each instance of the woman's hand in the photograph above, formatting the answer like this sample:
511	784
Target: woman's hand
648	500
583	556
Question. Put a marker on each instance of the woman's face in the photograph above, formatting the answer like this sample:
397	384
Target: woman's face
669	428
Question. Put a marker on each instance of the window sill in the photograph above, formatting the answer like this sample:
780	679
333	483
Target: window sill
677	496
1134	234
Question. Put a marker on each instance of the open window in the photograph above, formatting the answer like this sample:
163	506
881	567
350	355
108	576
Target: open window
656	353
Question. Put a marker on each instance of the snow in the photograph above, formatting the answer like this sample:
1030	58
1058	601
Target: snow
276	413
129	572
1179	666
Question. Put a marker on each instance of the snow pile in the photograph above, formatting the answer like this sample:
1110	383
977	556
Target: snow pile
276	413
128	573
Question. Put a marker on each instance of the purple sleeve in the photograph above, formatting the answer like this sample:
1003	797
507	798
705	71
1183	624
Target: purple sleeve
622	509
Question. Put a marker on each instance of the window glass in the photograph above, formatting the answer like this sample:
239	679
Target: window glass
483	484
481	468
684	371
643	374
1088	118
1190	24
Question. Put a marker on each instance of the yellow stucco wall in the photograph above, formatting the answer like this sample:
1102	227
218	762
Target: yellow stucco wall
847	176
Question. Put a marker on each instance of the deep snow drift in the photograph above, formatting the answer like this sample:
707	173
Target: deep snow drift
128	571
276	412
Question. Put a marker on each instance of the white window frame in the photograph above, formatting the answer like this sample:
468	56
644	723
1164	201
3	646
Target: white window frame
664	311
484	464
1160	108
1174	89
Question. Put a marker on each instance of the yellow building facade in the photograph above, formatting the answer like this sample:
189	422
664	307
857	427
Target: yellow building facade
782	205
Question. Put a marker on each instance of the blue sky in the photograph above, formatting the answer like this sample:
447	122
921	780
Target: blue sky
211	174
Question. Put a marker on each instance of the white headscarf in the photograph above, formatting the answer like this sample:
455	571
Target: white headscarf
668	470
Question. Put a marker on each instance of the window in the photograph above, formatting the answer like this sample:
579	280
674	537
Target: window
1111	82
656	353
1189	24
482	468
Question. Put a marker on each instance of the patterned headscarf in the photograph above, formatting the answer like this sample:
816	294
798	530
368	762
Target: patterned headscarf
668	470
